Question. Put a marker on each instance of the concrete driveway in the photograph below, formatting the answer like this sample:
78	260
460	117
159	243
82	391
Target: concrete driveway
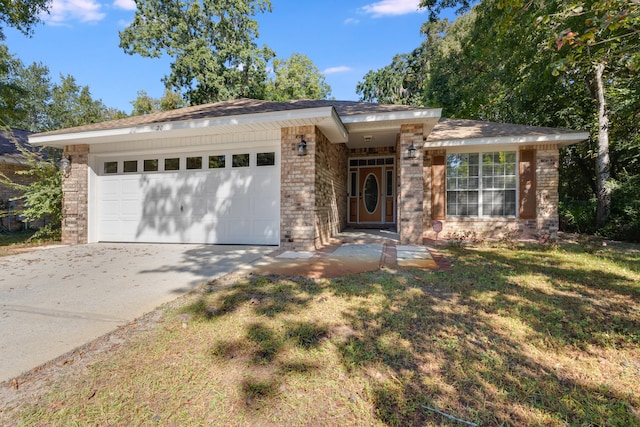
55	299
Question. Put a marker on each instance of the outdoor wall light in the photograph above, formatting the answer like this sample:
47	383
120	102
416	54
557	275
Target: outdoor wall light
412	151
65	165
302	147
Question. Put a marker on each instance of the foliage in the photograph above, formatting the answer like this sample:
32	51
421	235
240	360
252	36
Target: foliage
43	195
11	92
22	14
30	100
624	221
296	78
212	44
144	104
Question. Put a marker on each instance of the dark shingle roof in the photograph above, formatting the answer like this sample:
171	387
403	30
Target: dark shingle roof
458	129
7	145
234	108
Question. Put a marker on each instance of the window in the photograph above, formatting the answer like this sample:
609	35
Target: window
150	165
110	167
130	166
216	162
172	164
194	162
240	161
389	182
266	159
481	184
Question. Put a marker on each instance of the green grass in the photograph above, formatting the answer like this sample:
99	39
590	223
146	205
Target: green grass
536	336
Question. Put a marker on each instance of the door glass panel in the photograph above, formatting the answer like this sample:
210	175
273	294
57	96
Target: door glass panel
389	183
371	193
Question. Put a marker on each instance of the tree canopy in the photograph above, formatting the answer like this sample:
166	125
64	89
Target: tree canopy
22	14
296	78
212	44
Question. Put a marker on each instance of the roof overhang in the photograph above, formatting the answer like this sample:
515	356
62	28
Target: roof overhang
325	118
561	139
381	129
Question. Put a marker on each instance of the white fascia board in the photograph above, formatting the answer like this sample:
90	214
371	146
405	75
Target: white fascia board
412	115
312	115
561	139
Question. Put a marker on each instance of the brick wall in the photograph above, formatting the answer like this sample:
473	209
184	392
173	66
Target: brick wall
547	179
75	196
297	197
546	221
330	189
411	194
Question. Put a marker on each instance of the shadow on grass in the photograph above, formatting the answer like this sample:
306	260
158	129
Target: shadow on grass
483	343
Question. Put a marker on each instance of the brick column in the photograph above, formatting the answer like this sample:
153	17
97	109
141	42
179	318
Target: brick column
75	196
547	178
410	202
297	196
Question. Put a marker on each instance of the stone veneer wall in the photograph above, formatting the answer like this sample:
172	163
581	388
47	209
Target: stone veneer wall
75	196
330	189
547	198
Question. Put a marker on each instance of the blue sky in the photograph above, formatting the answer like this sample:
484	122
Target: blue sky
345	39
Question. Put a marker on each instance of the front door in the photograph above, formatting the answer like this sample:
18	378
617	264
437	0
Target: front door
371	191
370	199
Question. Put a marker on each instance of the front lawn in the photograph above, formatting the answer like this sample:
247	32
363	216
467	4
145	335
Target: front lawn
546	336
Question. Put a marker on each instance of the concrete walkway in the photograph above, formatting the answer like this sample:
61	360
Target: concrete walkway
55	299
352	251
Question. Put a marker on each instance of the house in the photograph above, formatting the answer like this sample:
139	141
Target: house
11	161
295	173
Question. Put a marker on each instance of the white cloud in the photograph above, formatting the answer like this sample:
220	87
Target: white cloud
391	8
339	69
351	21
125	4
62	11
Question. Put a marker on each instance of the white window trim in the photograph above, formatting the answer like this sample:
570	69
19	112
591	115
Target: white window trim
480	189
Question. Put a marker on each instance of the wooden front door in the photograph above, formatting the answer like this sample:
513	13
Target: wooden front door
371	200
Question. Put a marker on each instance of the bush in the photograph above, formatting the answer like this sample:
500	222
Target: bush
624	219
577	216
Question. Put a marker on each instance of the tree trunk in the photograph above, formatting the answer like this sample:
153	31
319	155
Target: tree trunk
603	163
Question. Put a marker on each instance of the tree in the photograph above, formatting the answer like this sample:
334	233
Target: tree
212	44
296	78
598	35
42	195
22	14
10	91
72	105
145	104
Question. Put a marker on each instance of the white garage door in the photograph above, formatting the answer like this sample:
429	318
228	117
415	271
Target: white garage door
221	197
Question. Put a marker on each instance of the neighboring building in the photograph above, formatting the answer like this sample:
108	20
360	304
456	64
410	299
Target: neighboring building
230	172
11	161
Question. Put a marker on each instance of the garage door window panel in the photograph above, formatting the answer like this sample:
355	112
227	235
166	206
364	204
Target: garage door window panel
130	166
240	161
150	165
217	162
194	163
110	167
172	164
266	159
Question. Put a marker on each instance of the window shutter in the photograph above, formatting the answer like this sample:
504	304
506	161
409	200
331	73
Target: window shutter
438	187
527	202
